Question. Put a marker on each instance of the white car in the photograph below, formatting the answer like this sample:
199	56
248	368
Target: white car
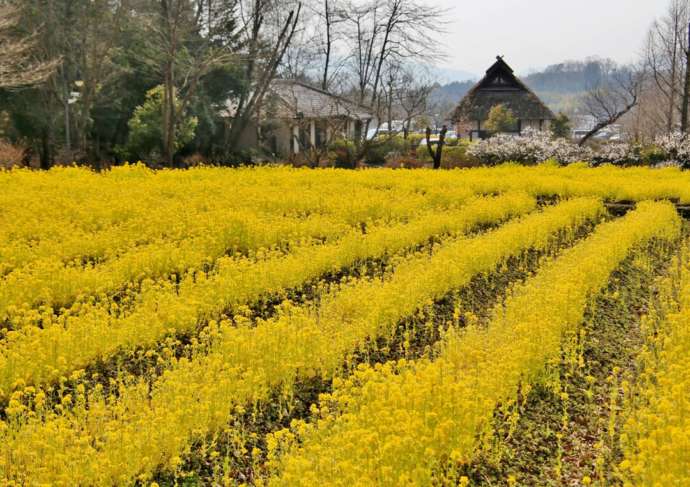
434	140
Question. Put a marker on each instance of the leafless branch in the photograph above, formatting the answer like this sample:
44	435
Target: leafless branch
612	99
18	65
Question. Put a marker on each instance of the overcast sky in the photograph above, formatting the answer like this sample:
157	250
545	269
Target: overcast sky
533	34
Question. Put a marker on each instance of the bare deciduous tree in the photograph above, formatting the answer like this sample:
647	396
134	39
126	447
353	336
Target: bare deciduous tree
18	64
413	96
185	56
96	44
686	83
261	61
648	119
612	99
385	34
332	17
666	60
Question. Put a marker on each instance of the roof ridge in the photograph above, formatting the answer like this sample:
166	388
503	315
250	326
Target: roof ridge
324	92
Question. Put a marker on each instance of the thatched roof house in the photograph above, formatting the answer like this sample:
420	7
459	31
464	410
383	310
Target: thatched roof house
500	86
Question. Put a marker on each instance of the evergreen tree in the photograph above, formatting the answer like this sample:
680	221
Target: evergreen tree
501	119
560	126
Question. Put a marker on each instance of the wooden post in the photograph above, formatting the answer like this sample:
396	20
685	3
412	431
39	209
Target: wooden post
312	134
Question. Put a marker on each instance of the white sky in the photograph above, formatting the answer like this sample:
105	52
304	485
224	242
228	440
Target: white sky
533	34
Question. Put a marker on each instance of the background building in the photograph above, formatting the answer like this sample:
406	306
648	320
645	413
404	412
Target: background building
500	86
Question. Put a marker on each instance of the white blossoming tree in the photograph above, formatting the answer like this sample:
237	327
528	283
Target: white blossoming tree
675	147
531	147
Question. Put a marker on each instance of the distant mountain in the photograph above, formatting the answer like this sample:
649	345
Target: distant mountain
571	76
450	75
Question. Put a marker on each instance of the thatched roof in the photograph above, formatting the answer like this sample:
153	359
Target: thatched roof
299	99
501	86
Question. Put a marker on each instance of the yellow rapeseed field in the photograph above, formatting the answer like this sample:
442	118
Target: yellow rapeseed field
273	326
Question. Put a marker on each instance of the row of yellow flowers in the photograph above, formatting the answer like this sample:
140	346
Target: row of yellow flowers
609	183
73	215
49	282
656	435
36	354
410	423
115	440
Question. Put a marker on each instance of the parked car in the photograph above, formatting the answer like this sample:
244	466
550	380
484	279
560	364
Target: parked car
434	140
452	134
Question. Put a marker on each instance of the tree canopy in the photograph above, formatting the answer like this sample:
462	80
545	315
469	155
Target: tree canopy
501	119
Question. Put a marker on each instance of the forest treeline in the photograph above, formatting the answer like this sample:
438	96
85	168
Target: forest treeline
164	79
101	82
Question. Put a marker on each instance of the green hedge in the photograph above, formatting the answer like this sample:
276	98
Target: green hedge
453	155
343	153
376	151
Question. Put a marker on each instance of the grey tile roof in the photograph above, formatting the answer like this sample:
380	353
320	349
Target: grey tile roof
309	102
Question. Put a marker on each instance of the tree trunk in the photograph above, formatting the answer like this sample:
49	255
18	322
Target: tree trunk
674	74
605	123
686	88
436	155
390	25
329	42
66	109
170	16
44	156
389	111
68	137
169	120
